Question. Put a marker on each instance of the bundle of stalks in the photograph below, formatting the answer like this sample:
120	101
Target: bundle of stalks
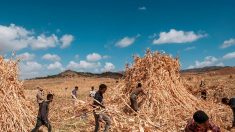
168	105
15	112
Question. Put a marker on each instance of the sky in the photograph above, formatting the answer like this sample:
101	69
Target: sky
50	36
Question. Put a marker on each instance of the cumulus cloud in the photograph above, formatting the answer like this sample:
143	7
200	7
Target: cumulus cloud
94	57
84	65
208	61
66	40
174	36
106	57
142	8
229	55
108	67
26	56
228	43
43	42
126	41
16	38
51	57
55	66
30	69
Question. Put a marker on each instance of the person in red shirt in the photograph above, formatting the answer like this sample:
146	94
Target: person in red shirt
201	123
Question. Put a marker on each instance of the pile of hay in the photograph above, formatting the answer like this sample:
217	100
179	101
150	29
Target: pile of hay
15	113
167	106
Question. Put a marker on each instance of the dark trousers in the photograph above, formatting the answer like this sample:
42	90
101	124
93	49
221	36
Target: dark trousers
134	104
40	122
233	117
103	117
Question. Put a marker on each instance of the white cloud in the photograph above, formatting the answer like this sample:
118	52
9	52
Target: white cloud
142	8
13	38
126	41
228	43
51	57
94	57
30	69
26	56
208	61
174	36
16	38
83	65
108	67
229	55
189	48
66	40
55	66
43	41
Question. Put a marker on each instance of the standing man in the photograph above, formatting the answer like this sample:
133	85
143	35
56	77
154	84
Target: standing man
201	123
133	96
100	108
92	92
42	118
231	103
39	96
203	90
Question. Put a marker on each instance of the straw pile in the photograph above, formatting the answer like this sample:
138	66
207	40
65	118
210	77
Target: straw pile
167	106
15	114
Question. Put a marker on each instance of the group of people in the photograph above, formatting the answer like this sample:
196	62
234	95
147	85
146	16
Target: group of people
199	123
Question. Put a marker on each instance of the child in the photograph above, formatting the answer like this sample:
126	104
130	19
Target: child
98	113
42	118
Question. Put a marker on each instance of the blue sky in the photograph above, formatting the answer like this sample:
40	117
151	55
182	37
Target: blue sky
102	35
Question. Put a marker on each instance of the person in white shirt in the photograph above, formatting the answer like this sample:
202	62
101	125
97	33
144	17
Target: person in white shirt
92	92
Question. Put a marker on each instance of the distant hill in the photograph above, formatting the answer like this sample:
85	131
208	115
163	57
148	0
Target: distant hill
71	74
216	70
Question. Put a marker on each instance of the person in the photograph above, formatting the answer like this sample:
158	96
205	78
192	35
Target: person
201	123
42	118
92	92
133	96
74	93
231	103
203	90
99	107
39	96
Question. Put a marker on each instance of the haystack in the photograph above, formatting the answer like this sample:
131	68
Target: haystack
168	105
15	113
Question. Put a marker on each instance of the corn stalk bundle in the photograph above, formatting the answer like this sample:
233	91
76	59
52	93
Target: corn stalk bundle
15	112
167	106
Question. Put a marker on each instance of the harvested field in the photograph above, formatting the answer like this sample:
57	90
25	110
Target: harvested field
171	98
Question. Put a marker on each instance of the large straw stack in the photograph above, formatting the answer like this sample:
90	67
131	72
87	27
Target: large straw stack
167	106
15	114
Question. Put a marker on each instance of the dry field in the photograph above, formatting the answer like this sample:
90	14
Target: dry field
62	107
62	110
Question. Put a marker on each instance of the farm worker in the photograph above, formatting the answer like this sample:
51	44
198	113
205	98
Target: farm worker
203	90
92	92
42	118
74	93
100	108
231	103
39	96
133	96
201	123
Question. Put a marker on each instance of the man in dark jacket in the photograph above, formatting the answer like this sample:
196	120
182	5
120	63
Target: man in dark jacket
100	108
231	103
42	118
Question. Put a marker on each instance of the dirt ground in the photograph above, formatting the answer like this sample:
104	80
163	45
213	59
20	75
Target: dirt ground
62	110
